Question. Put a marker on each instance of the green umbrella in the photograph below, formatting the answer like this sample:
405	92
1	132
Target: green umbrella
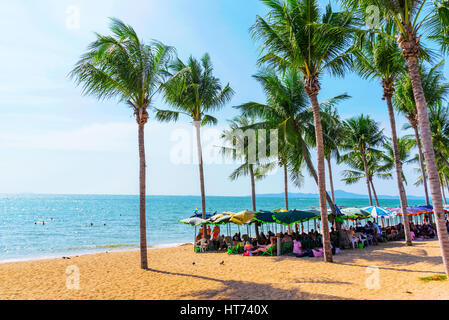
355	213
291	217
264	217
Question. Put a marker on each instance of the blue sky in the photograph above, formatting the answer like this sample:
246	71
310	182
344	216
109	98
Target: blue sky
53	140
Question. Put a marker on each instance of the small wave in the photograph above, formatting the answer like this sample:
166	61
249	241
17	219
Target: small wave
104	246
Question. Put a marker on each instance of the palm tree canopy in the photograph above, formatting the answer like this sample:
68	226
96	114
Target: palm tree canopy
376	167
238	148
435	89
379	58
362	135
194	91
297	34
122	66
417	16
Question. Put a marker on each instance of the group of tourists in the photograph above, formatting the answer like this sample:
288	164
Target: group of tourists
309	244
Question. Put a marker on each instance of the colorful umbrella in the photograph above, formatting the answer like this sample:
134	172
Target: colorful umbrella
243	217
264	217
291	217
378	212
221	218
355	213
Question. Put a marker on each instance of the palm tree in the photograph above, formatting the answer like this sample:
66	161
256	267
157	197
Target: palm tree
362	136
439	125
375	168
239	148
333	133
295	34
412	18
194	91
435	91
405	146
380	59
121	66
288	110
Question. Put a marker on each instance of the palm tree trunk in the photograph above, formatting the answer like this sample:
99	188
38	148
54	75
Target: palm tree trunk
447	183
365	166
197	125
331	181
388	92
286	186
442	190
374	192
429	157
142	203
421	163
312	171
313	92
253	196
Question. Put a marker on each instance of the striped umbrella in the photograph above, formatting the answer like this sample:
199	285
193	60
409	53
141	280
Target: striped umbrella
378	212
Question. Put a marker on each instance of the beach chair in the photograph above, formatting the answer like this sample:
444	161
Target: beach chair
237	249
271	251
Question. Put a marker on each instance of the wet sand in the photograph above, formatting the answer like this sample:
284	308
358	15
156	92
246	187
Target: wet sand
388	271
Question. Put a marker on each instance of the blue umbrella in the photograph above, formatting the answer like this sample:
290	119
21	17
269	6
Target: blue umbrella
378	212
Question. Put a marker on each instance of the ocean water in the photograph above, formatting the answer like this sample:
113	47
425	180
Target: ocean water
43	226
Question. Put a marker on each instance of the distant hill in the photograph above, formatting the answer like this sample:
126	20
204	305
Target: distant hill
339	194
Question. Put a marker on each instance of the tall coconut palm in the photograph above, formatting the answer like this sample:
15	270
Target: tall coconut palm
122	67
194	91
287	108
243	147
380	59
375	168
405	146
435	91
413	20
363	135
333	133
296	34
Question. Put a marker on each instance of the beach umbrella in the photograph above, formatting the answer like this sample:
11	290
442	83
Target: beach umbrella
243	217
280	210
221	218
378	212
355	213
291	217
194	221
264	217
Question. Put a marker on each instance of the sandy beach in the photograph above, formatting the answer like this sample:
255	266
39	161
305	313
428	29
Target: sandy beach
172	275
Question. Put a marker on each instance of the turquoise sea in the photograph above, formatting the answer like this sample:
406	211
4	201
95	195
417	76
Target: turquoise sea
79	224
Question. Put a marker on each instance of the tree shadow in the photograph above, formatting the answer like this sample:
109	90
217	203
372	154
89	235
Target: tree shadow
243	290
392	259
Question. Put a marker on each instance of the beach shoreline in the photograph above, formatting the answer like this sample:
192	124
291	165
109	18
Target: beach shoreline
178	273
72	254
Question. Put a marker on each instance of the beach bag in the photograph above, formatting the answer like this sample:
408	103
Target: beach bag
247	254
361	246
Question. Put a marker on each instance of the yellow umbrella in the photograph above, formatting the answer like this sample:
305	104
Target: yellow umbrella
243	217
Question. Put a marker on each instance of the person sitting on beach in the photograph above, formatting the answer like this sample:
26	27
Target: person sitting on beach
215	236
236	239
447	225
286	238
262	239
222	245
204	244
264	248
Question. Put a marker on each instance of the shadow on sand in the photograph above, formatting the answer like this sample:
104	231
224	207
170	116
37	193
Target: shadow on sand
242	290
